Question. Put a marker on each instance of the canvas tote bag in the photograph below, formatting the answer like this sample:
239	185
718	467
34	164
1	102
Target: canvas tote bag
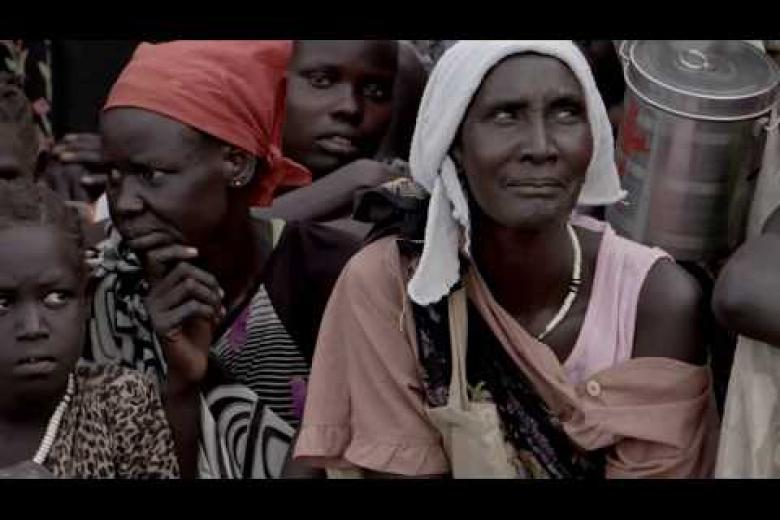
470	430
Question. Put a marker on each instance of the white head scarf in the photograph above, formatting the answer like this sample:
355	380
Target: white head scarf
450	89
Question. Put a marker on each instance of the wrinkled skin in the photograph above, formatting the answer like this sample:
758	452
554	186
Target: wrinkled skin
524	146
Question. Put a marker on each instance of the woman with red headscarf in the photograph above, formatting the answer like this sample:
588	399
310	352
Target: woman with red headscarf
193	288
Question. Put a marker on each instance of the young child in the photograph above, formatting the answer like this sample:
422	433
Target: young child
60	417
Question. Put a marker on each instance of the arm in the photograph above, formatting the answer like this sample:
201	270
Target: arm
747	294
185	331
294	469
670	324
78	169
332	196
182	408
671	316
362	409
184	306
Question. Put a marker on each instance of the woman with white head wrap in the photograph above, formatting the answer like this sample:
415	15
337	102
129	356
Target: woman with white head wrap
562	316
441	113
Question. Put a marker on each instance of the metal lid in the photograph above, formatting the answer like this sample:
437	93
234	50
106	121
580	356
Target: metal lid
718	80
624	49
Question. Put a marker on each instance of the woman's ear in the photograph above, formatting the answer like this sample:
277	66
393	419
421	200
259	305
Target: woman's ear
240	166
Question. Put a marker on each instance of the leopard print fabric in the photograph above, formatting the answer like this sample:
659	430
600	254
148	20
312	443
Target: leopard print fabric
114	427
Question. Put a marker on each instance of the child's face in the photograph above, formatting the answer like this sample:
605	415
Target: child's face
42	312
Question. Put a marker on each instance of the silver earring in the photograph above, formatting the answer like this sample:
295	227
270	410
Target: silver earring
243	178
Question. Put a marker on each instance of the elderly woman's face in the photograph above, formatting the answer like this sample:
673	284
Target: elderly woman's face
525	143
167	178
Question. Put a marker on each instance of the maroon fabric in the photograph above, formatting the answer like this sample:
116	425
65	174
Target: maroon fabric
233	90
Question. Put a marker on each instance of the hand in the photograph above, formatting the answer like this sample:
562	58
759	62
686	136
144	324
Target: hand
78	169
184	303
367	173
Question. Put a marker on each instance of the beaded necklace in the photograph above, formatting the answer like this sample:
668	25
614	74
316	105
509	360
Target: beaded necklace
54	423
574	285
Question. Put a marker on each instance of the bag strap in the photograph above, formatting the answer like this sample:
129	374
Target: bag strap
430	331
458	321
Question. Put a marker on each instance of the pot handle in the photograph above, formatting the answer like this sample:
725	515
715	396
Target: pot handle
773	118
695	59
771	126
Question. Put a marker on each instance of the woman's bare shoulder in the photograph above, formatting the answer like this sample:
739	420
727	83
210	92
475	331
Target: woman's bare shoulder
671	315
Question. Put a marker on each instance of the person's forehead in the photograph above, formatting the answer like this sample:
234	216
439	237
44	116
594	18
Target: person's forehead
40	252
373	54
530	73
140	132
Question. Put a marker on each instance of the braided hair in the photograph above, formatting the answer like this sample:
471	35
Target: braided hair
23	201
16	113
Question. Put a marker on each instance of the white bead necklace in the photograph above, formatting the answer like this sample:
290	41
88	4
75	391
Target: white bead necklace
574	285
54	423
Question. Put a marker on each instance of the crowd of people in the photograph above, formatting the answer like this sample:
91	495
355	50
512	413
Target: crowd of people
360	258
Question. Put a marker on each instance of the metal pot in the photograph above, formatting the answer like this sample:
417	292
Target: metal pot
690	143
624	50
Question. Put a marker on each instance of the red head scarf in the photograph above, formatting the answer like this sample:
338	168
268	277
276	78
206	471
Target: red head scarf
232	90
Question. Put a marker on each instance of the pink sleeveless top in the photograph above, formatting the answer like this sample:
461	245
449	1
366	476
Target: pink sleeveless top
365	405
607	335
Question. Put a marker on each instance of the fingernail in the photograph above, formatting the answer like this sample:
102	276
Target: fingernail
222	311
191	251
221	294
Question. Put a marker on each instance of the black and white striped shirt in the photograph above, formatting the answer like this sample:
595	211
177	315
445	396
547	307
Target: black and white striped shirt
268	360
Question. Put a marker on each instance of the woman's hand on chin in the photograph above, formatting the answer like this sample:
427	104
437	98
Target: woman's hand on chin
185	306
